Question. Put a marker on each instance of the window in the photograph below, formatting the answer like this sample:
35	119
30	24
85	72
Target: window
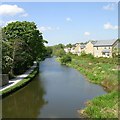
107	54
103	53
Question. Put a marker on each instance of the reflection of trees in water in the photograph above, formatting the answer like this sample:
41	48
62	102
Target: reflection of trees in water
25	103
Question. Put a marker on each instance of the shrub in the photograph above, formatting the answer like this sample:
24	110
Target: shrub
66	59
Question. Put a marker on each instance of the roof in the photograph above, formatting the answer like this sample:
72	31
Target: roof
106	51
93	42
105	42
82	46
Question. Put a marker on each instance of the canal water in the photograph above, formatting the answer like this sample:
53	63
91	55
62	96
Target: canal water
56	92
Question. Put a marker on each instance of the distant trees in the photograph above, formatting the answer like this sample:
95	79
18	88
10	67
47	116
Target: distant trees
60	53
48	52
22	44
58	50
69	46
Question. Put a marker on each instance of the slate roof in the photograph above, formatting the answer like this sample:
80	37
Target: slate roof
82	46
104	42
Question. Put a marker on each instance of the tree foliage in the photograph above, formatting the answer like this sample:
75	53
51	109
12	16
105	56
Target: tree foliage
58	50
49	52
66	59
69	46
22	44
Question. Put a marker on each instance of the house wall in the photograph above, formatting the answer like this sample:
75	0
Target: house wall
116	48
89	48
97	51
67	50
77	49
72	50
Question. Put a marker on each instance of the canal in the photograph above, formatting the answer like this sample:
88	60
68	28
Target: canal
56	92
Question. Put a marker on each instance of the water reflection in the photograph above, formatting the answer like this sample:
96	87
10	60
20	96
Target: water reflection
58	92
25	103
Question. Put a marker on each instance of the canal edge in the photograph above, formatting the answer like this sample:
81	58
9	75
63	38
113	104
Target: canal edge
21	83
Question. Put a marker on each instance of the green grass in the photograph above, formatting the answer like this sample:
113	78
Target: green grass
19	84
102	71
97	71
105	106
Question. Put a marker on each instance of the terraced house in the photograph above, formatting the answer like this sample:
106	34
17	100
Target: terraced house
103	48
100	48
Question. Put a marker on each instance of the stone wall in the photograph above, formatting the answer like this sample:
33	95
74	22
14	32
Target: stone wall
4	80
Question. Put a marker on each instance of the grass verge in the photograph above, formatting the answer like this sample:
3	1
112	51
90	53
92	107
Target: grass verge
102	71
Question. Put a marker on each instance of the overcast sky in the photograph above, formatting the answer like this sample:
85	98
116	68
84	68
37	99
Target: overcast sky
66	22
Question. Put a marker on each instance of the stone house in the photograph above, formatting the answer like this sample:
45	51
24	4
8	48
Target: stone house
103	48
89	48
67	50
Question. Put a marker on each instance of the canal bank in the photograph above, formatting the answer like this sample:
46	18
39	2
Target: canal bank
105	106
19	81
57	91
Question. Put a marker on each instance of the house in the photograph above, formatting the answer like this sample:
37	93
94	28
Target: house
116	48
77	49
103	48
82	48
89	47
100	48
73	50
67	50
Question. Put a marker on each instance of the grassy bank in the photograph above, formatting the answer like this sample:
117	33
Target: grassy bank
103	71
105	106
20	84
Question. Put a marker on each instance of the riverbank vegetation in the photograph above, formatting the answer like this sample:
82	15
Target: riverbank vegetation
103	71
65	59
22	44
58	50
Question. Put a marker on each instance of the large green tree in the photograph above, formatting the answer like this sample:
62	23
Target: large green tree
25	43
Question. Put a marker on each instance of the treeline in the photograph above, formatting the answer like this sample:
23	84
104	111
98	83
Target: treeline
22	43
58	51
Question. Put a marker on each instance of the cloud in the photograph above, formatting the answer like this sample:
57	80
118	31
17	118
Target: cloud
48	28
68	19
110	6
43	28
11	10
108	26
86	33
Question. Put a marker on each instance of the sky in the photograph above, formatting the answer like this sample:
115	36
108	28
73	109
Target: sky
66	22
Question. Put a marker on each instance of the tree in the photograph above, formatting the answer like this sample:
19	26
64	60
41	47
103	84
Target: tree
66	59
60	53
49	51
26	44
7	60
69	46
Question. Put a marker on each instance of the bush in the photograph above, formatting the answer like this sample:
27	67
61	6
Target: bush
66	59
90	56
83	54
